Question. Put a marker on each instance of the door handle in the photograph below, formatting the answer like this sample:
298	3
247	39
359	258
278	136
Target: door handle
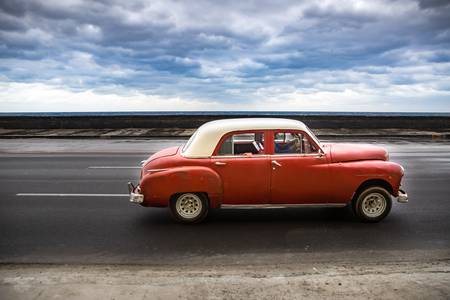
275	163
220	163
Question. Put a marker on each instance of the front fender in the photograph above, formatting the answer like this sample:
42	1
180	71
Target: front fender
349	176
159	186
390	172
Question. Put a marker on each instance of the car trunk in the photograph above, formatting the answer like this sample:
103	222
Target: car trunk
163	153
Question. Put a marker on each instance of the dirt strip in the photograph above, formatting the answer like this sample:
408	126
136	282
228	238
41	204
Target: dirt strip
400	280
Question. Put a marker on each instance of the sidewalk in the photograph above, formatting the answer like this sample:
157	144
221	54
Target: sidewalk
186	132
401	280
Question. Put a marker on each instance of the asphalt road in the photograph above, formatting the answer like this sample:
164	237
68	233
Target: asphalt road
109	229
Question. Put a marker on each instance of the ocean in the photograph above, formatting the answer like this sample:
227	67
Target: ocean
227	113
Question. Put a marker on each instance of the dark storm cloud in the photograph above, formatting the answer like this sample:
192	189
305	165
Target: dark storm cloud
433	3
15	8
227	50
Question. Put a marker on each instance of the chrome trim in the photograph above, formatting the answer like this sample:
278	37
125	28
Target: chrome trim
155	170
275	163
135	194
195	156
371	175
252	206
402	196
238	156
318	155
130	187
136	198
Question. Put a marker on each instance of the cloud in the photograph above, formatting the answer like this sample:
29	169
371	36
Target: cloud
433	3
38	97
320	55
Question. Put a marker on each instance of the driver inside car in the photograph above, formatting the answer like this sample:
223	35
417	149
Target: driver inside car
293	146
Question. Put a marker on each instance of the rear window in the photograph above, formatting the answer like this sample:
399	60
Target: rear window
189	142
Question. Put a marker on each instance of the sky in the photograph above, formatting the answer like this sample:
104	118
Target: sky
115	55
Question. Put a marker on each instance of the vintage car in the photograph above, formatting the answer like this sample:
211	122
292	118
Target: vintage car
267	163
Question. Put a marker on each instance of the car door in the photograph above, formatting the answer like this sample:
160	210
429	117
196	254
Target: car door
299	174
244	168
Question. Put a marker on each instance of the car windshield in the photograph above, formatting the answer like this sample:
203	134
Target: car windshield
313	136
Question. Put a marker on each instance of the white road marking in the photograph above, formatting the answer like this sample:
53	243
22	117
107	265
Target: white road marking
112	167
69	195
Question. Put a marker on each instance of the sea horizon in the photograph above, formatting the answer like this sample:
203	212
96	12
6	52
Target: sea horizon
225	113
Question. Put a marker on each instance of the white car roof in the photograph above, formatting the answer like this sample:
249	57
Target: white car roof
204	140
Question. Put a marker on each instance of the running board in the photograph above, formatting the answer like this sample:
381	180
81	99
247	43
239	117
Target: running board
252	206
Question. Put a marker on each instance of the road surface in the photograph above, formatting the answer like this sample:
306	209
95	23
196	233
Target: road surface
98	225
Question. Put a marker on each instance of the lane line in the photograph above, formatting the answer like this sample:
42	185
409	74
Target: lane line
69	195
112	167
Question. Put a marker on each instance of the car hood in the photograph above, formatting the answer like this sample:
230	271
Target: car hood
354	152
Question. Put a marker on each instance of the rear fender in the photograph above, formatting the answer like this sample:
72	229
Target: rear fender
160	186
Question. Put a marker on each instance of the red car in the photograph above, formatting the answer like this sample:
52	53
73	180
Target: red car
267	163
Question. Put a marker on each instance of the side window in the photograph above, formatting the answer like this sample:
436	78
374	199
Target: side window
251	143
293	143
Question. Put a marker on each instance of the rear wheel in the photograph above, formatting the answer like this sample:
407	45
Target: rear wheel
189	207
373	204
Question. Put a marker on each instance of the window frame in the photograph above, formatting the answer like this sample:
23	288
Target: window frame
266	133
319	152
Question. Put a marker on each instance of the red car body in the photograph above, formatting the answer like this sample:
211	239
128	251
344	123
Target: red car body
329	174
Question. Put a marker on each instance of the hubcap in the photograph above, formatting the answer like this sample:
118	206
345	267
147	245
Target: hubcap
189	206
373	205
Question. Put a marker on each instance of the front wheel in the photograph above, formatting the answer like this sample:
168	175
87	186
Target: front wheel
189	207
373	204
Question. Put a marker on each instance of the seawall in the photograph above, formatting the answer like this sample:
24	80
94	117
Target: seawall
372	121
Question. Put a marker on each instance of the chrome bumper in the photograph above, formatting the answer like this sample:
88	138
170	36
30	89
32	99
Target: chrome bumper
135	195
402	196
